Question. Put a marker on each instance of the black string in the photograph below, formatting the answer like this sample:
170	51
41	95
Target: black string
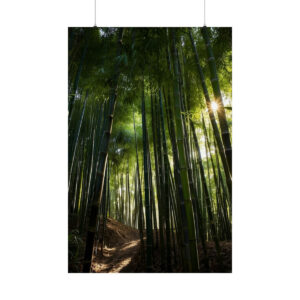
204	13
95	12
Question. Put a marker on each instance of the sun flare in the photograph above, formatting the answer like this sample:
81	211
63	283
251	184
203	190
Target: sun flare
214	106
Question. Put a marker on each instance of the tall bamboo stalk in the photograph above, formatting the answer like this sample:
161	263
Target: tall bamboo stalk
139	194
218	97
183	164
149	244
165	183
75	85
102	162
207	198
225	161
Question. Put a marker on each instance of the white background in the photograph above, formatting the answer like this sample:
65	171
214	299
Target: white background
33	149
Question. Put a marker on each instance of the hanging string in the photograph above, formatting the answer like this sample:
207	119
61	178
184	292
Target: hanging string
204	13
95	12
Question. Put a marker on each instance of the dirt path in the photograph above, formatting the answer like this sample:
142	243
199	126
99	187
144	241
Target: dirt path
121	253
122	246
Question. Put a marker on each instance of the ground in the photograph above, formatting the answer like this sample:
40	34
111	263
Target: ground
122	244
122	253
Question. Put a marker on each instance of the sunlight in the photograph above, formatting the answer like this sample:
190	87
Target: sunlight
135	138
214	106
130	245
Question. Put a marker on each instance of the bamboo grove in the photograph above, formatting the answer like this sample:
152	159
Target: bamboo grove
149	118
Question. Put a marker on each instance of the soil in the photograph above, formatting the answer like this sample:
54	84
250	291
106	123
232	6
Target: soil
122	243
122	254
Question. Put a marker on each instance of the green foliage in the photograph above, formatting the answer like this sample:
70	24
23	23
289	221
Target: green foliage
143	65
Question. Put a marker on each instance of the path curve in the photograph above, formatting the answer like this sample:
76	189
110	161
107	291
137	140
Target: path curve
123	245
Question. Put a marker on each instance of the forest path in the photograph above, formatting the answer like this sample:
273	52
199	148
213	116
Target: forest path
122	244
